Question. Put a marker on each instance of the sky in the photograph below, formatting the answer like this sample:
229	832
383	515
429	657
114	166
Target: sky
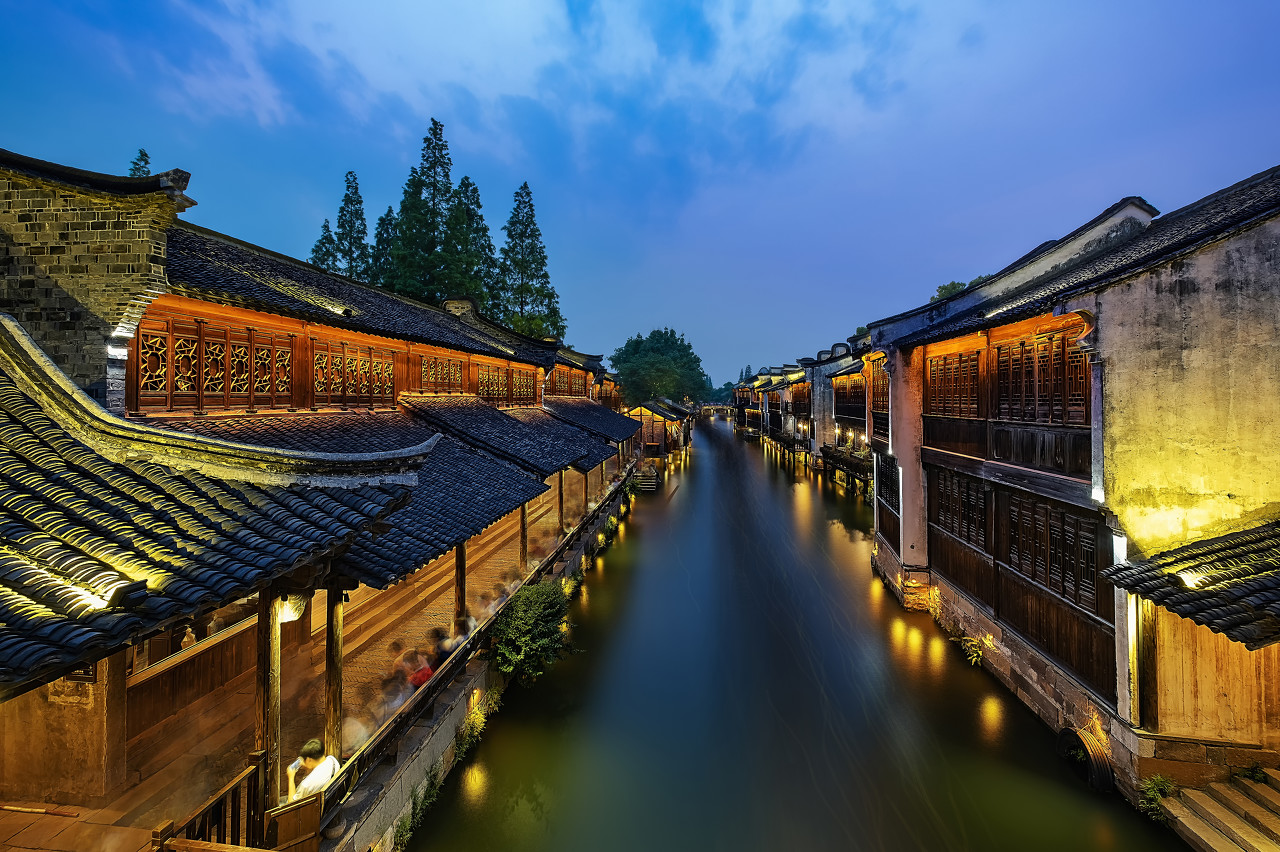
763	177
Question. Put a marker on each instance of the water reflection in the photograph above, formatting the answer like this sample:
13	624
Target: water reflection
749	685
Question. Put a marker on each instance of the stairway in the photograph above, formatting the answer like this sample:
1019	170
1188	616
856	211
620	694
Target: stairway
1229	816
646	480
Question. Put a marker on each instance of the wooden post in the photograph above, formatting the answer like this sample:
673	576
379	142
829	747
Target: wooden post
460	581
267	695
560	507
333	673
524	539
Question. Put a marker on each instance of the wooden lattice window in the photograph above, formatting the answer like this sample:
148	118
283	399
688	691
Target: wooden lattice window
491	384
887	484
953	385
188	363
577	383
524	386
959	506
442	375
344	374
1043	379
879	387
1055	547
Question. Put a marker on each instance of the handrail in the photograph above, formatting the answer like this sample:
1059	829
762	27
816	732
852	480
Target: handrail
376	748
219	818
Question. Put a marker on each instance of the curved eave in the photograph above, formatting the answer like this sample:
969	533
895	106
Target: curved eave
123	440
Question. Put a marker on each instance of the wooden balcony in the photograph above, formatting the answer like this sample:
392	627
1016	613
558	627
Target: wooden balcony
1064	450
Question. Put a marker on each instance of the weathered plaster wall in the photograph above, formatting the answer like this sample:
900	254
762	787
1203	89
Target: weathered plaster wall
74	265
65	742
1192	392
906	434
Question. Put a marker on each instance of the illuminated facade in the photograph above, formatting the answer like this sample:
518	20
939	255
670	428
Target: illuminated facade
227	472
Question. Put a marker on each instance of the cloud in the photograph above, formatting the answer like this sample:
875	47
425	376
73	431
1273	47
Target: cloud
734	71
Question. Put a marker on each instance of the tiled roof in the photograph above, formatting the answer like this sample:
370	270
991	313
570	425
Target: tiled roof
662	410
592	416
206	265
79	534
482	425
590	363
330	432
461	491
1174	233
851	370
594	452
1230	584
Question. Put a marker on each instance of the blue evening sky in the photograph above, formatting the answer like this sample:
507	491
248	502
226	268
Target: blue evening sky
763	176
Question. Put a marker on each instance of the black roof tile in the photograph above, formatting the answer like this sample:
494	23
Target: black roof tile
203	264
594	452
482	425
321	432
592	416
461	491
1230	583
76	528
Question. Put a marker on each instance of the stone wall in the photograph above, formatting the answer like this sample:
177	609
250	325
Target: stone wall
76	267
65	742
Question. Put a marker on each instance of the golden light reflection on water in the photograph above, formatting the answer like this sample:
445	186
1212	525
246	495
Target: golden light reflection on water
583	596
877	596
937	655
991	719
898	634
475	783
915	643
803	503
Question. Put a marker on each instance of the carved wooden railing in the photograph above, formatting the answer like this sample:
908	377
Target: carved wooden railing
232	816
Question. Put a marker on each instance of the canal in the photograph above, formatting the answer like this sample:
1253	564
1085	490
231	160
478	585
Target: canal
747	684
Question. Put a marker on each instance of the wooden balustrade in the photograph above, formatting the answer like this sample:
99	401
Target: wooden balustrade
889	526
963	566
232	816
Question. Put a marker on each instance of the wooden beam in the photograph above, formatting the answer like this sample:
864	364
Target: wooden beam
560	506
267	694
524	539
333	672
460	581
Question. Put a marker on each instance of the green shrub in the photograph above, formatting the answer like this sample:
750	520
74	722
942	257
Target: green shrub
1150	791
972	649
531	632
1254	772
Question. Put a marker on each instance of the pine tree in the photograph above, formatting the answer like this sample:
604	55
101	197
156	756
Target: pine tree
470	266
530	304
141	165
381	265
351	239
324	253
424	207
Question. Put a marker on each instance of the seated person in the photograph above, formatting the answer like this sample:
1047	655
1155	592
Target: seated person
320	770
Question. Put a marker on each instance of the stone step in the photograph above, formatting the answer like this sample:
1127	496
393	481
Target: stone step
1227	822
1259	816
1273	778
1198	834
1263	794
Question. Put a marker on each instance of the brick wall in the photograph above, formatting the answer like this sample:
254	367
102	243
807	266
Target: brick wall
76	266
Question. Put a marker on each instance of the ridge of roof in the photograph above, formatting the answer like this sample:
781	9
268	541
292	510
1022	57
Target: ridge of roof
1184	230
119	439
168	181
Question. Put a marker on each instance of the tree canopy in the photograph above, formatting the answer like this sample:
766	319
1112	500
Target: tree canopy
953	287
141	164
530	304
437	246
662	364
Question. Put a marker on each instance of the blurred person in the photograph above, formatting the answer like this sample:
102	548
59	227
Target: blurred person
320	770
